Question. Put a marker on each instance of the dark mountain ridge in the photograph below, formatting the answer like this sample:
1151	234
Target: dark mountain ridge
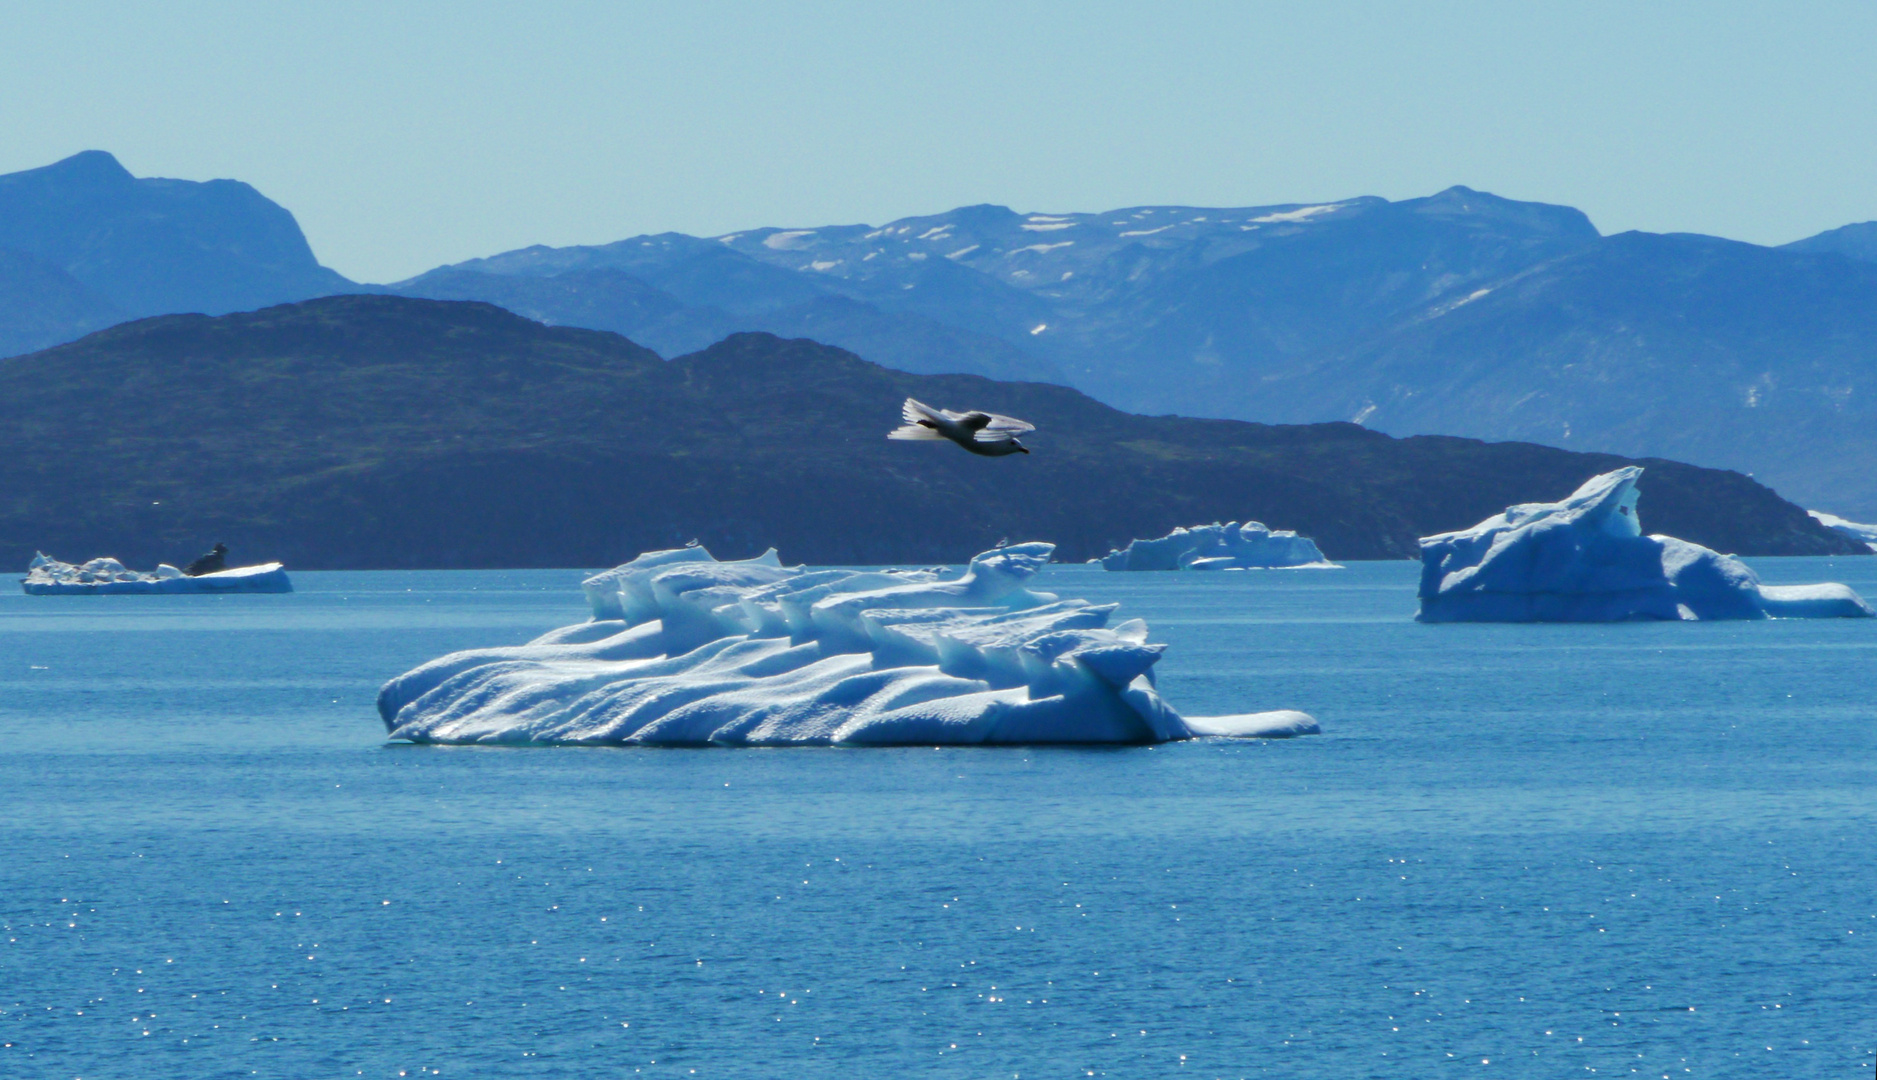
611	298
383	431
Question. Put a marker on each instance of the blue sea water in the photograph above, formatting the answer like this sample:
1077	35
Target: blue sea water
1518	851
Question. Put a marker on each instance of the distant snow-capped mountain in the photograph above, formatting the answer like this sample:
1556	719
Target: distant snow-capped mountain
1160	308
1460	313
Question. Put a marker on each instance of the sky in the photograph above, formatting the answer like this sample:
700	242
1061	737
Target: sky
408	135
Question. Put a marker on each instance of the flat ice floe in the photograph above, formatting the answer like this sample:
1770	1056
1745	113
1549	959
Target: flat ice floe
47	575
684	650
1231	546
1584	559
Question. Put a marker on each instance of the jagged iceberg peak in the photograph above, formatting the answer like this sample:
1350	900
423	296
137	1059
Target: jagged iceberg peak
1585	559
685	650
47	575
1230	546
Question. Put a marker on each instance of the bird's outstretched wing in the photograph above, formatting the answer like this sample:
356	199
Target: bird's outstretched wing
974	421
995	428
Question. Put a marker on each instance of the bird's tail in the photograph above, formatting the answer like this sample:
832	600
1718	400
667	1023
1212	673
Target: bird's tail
915	410
918	426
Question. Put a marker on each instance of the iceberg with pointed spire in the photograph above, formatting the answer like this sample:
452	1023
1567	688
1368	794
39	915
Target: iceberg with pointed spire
684	650
1585	559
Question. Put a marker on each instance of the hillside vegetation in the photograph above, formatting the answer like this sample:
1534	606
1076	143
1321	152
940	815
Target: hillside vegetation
381	431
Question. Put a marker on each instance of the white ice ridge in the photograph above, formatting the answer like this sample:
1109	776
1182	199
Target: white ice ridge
1863	534
1230	546
48	575
683	650
1585	559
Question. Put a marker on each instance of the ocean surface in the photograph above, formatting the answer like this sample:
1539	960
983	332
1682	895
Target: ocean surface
1519	851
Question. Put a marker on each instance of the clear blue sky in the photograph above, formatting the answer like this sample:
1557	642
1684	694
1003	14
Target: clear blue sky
404	135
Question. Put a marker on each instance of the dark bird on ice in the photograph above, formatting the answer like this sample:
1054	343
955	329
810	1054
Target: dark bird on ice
979	432
213	563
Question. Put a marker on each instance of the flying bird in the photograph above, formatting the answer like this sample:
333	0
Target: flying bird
979	432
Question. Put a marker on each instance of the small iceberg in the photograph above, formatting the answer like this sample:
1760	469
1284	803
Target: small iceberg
1585	559
684	650
1231	546
47	576
1863	534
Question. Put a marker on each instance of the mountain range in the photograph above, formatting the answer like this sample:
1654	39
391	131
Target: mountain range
1154	309
1690	347
386	431
1461	313
85	245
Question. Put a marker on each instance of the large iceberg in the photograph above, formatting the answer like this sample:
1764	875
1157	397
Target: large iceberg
684	650
1863	534
1585	559
48	575
1231	546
